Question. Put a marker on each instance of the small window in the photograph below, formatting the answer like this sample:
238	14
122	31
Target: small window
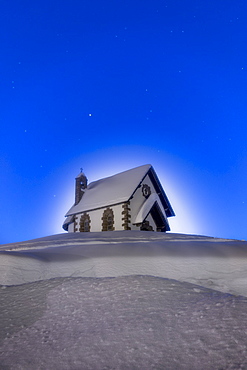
85	223
108	220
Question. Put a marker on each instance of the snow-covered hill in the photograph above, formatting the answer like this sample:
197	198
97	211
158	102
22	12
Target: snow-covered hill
127	323
214	263
123	300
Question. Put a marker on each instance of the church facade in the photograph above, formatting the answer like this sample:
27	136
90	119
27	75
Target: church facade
130	200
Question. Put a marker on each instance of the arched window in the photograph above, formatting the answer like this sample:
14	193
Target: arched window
108	220
85	223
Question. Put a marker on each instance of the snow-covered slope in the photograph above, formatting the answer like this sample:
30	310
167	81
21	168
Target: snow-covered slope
127	323
215	263
104	310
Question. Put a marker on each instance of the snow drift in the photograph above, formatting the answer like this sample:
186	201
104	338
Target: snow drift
210	262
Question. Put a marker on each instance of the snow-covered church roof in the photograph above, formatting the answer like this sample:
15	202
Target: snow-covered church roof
117	189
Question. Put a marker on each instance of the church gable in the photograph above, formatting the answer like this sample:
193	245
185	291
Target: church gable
131	200
147	208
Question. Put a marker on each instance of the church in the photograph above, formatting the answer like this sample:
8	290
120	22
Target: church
130	200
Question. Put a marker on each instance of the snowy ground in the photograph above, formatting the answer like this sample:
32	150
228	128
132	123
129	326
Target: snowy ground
131	322
214	263
111	303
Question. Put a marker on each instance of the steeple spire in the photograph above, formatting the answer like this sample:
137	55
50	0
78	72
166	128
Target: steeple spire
80	186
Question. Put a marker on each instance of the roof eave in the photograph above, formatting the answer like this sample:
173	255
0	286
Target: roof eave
96	208
160	191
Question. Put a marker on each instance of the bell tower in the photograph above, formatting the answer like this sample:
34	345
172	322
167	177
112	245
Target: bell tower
80	186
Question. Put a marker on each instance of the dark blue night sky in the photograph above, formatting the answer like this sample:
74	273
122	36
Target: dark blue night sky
110	85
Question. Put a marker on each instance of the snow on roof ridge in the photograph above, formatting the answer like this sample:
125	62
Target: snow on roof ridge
122	172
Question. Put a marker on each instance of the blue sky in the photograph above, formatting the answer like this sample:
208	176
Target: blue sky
109	85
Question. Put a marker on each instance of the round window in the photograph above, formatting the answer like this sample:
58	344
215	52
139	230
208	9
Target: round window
146	191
